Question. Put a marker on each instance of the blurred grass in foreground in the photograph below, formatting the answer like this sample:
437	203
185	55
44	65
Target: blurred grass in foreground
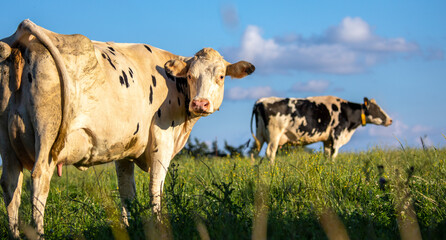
371	194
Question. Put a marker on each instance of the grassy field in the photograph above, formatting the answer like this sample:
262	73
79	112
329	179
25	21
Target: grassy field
378	194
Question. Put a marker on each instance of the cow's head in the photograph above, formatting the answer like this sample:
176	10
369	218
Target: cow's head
205	73
374	114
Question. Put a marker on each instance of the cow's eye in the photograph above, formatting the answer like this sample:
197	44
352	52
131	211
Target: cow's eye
189	76
221	77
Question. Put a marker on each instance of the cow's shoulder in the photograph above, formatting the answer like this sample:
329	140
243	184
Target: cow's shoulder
278	106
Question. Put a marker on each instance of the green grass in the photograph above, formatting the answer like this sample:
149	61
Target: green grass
365	190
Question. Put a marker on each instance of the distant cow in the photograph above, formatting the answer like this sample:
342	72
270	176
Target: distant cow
304	121
65	99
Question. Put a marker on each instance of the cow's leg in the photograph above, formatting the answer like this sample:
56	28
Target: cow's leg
127	189
43	169
43	108
11	182
161	157
272	149
41	177
158	174
328	148
335	151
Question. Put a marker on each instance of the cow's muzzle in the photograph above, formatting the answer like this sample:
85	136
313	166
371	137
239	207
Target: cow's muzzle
388	122
200	106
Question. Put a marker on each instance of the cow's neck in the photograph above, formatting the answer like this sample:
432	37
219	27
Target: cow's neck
355	119
363	116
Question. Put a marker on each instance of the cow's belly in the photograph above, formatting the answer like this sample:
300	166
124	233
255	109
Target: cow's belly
305	138
111	126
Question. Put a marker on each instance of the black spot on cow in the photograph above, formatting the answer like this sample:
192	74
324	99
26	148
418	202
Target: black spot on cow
30	77
349	118
126	81
183	88
280	107
111	49
338	99
179	102
109	60
130	72
170	101
112	52
334	107
173	123
259	110
121	80
154	81
148	48
317	116
159	112
105	55
151	95
137	129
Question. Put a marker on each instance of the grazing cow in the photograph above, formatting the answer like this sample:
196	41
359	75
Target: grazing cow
304	121
65	99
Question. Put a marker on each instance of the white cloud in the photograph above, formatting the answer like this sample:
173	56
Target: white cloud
314	86
352	30
239	93
255	48
350	47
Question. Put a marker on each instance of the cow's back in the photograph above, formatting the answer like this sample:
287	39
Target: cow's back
115	91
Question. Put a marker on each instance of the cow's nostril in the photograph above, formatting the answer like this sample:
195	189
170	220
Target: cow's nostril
200	105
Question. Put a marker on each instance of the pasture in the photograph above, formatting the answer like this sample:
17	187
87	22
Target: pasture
367	195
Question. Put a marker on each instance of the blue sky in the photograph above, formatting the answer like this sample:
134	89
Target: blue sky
392	51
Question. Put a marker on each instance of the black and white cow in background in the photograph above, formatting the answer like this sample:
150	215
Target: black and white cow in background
303	121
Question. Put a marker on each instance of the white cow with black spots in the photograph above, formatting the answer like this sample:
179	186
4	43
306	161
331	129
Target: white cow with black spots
65	99
303	121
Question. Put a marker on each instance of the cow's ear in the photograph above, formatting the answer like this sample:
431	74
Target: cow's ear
240	69
366	101
177	68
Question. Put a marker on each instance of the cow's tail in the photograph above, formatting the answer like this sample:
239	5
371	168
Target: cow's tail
257	143
25	29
